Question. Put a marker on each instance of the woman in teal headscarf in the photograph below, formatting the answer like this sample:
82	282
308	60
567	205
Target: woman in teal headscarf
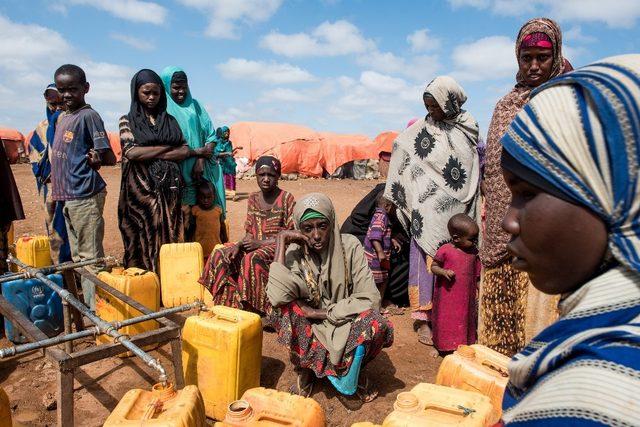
198	131
225	151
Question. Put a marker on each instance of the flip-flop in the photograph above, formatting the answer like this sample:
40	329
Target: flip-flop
366	392
299	389
424	337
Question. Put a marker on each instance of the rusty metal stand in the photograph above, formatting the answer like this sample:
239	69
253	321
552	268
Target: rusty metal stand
67	360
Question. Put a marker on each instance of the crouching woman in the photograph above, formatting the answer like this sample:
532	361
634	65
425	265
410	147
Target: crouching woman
328	304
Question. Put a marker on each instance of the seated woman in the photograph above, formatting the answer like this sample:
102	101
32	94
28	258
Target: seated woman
571	159
237	274
327	299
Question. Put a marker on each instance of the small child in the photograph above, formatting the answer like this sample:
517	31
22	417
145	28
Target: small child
377	244
457	270
210	227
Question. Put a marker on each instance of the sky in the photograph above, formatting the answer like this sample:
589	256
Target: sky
333	65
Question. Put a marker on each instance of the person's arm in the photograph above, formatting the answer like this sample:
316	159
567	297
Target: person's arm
438	270
140	154
377	245
99	153
223	231
312	313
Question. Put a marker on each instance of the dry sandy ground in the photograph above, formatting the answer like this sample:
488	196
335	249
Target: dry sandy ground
28	380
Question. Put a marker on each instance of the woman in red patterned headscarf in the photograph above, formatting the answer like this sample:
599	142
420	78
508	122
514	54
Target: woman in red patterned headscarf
511	310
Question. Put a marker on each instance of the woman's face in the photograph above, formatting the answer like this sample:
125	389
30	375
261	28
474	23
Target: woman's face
535	65
267	179
149	95
179	91
560	245
318	232
433	108
225	134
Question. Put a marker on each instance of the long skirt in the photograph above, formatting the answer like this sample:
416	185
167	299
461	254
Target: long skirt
420	283
229	181
512	311
242	283
294	332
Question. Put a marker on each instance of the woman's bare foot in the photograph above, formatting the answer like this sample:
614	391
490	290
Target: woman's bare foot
304	382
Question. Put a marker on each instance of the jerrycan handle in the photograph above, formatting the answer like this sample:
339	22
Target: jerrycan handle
459	410
273	418
227	317
493	367
152	407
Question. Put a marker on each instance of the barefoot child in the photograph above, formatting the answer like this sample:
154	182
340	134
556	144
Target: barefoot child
210	227
457	270
377	244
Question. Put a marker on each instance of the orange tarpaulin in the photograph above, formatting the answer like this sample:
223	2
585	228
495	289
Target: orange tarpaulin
385	141
13	144
114	141
299	148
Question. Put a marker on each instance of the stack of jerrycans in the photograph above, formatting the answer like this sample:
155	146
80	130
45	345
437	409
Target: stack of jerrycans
181	265
163	406
222	355
477	368
266	407
35	251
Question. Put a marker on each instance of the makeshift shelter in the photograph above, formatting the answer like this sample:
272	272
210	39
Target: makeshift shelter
114	141
13	144
384	142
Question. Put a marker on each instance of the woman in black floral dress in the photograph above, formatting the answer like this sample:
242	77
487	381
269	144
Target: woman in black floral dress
434	174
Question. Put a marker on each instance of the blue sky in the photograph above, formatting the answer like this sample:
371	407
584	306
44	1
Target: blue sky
345	66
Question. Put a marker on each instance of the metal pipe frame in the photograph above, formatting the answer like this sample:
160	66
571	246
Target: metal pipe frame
56	268
67	363
94	331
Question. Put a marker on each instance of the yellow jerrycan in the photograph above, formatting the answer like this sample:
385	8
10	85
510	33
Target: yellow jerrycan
181	265
160	407
431	405
140	285
5	409
476	368
270	408
35	251
365	424
222	355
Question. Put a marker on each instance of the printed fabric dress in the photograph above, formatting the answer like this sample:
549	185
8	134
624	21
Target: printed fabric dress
379	230
242	282
455	315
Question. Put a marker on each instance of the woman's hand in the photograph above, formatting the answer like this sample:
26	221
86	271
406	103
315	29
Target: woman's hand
198	170
205	152
249	244
286	237
312	313
229	253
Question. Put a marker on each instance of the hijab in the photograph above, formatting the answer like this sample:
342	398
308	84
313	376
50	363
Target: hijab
434	169
166	130
270	162
494	246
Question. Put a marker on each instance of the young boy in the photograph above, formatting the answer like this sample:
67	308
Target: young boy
210	227
377	244
80	148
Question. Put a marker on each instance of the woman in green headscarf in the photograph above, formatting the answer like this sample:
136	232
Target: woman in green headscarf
198	131
328	304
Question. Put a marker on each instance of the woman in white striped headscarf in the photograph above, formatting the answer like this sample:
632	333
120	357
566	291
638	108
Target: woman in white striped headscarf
571	159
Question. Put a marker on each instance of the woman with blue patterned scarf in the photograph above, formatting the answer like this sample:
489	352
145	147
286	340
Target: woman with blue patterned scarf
571	160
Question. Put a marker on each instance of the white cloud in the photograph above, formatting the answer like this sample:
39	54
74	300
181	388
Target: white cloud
224	15
134	42
131	10
266	72
617	14
421	41
281	94
489	58
328	39
420	68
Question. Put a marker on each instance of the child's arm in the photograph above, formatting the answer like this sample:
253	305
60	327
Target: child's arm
223	231
377	245
437	269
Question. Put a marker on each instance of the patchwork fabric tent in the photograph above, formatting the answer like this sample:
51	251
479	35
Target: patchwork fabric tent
301	149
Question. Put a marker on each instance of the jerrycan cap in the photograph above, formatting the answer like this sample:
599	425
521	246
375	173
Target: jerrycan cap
117	271
406	402
239	410
466	351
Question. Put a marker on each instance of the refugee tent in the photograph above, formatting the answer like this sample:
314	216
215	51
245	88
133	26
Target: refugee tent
13	144
338	150
384	142
114	141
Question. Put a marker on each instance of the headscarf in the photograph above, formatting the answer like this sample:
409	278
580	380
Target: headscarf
223	145
434	169
198	130
269	161
338	280
166	130
581	133
494	246
40	142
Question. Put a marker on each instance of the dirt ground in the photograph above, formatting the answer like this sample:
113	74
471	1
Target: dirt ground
30	381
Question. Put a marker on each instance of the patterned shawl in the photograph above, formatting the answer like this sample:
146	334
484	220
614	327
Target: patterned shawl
494	249
434	168
581	133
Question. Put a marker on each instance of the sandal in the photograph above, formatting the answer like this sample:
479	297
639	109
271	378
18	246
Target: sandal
303	389
424	335
366	391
